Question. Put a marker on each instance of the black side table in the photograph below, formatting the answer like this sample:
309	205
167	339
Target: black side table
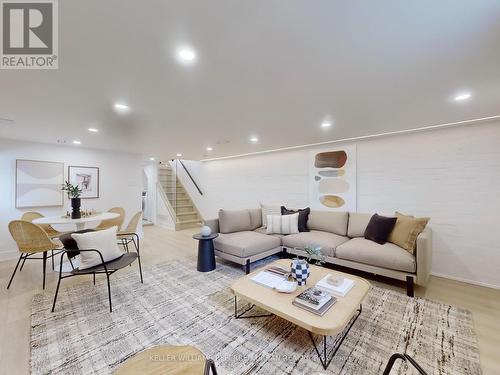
206	255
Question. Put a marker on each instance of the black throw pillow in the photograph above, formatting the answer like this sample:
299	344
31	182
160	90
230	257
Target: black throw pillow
70	244
379	228
303	217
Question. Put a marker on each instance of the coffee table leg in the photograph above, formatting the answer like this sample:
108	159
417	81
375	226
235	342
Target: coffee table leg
324	358
240	316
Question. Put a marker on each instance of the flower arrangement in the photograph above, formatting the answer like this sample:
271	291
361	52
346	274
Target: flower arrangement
73	190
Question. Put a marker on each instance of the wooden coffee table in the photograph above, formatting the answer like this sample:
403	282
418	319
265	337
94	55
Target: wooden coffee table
336	322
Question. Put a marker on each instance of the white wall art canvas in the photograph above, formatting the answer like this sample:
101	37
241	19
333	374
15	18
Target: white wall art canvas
38	183
87	179
332	178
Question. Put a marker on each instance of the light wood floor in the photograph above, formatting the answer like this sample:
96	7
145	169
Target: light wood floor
160	245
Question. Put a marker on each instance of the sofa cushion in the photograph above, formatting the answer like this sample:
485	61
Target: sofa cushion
269	210
357	224
387	255
327	241
379	228
234	221
303	216
328	221
255	218
263	230
282	224
406	231
245	244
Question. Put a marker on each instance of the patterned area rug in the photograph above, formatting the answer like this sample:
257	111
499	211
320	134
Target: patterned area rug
178	305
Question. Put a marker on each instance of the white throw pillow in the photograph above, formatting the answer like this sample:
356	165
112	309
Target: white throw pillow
102	240
282	224
269	210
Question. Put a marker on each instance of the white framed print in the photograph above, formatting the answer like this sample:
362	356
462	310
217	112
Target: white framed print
39	183
87	179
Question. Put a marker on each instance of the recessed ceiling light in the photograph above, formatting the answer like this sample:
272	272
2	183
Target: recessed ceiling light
254	139
462	96
152	159
76	142
186	55
121	107
209	148
93	130
326	124
179	155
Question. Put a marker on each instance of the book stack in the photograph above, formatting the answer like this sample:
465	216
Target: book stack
314	300
336	290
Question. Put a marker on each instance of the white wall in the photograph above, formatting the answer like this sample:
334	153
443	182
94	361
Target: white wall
120	182
451	175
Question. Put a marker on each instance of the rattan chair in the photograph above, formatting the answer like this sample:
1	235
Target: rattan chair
51	232
118	221
129	235
31	240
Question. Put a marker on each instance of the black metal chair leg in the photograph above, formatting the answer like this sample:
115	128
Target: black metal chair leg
139	259
52	257
136	244
94	278
15	269
109	293
24	260
58	283
44	260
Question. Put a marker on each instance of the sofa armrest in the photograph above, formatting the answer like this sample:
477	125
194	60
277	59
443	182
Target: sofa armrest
424	256
213	224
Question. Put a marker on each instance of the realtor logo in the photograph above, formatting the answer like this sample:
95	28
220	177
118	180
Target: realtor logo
29	34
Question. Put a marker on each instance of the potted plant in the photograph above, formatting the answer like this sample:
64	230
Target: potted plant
314	252
74	193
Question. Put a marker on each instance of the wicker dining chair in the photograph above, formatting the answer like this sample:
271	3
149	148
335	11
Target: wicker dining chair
51	232
129	235
31	240
118	221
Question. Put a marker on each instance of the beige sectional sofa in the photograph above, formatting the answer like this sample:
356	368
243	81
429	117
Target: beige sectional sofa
339	234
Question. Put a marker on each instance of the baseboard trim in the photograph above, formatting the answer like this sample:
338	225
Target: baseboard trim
467	281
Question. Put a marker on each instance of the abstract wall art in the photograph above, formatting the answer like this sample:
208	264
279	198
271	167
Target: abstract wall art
332	178
87	179
38	183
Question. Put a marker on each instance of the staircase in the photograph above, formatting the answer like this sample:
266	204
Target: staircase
186	214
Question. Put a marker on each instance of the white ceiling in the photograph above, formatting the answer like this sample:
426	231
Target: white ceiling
270	68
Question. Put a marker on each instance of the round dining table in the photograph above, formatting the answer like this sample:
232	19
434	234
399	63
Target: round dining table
79	223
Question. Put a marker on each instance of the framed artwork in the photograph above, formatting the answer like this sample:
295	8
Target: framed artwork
332	179
39	183
87	178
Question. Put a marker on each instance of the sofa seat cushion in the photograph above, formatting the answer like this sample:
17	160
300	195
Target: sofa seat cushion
387	255
328	241
245	244
263	230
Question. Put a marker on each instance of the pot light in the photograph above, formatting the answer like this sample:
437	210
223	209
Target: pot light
77	142
209	148
93	130
186	55
254	139
152	159
121	107
326	124
462	96
179	155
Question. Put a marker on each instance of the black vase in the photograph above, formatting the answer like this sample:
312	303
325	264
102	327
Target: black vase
75	205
